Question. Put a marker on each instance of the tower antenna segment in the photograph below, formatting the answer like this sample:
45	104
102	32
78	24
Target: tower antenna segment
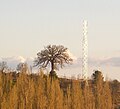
85	51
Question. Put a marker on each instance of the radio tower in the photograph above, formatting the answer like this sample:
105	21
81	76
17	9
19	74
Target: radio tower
85	51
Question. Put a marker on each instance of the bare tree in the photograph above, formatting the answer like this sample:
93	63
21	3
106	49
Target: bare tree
54	55
22	67
3	66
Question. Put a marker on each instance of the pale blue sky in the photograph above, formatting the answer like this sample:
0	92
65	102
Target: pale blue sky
26	26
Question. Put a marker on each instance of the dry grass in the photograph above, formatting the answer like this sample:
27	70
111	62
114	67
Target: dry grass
37	91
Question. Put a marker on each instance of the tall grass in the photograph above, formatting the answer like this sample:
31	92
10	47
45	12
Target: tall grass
39	91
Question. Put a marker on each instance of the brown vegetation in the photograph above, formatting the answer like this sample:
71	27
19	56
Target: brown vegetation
39	91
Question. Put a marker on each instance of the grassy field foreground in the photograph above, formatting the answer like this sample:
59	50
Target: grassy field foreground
39	91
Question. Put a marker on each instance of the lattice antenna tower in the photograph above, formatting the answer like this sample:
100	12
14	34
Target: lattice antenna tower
85	51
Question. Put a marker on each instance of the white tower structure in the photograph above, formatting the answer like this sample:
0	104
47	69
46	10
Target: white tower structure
85	51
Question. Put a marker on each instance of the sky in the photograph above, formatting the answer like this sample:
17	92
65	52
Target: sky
26	26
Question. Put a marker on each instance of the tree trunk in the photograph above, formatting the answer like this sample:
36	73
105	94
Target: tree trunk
52	72
52	68
52	65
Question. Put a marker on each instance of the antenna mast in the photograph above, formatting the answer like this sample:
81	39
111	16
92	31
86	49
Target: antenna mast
85	51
